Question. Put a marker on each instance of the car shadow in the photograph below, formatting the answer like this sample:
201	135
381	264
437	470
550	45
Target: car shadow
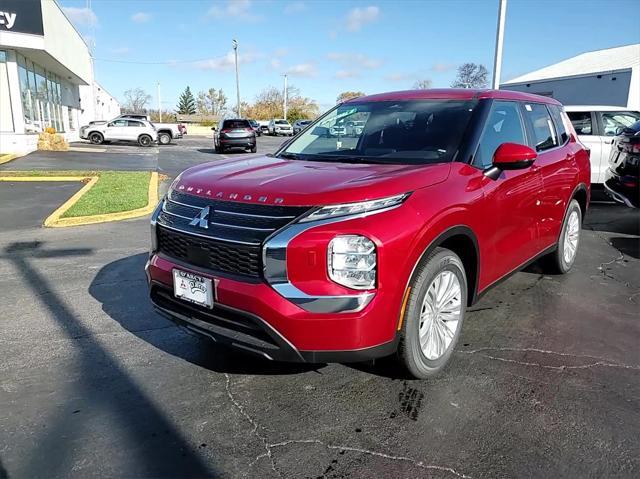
161	449
626	245
613	218
131	308
210	151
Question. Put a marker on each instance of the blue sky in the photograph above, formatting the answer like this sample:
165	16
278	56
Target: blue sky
327	47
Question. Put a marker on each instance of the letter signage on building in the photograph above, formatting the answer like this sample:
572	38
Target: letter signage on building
21	16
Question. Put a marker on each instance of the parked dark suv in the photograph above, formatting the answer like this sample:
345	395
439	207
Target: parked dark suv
621	179
235	133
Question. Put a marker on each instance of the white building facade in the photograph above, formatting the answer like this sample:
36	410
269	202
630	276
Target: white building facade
46	76
603	77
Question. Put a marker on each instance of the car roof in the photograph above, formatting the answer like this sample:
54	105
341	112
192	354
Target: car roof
454	94
596	108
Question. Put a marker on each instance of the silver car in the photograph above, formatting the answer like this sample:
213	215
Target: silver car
140	131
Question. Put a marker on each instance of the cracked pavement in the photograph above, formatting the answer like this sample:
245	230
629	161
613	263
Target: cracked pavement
545	381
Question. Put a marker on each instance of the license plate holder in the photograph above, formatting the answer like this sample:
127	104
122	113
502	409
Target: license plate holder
193	288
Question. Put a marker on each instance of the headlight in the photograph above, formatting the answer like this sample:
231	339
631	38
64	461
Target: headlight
352	261
354	208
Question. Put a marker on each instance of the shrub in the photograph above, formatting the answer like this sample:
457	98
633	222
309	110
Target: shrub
50	130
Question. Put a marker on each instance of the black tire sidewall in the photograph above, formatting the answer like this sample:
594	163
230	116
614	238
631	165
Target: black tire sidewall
562	265
411	353
96	135
144	140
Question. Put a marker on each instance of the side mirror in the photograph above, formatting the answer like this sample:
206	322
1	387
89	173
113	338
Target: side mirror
619	130
213	128
511	156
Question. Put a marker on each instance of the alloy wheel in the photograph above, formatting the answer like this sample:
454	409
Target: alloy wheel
440	315
571	237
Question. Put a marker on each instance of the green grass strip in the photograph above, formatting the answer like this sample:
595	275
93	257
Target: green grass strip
115	191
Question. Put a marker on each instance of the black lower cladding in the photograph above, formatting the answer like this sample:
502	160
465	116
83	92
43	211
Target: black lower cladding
226	325
219	235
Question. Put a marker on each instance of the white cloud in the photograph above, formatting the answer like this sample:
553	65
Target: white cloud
398	77
140	17
120	50
238	9
359	17
302	70
443	67
84	17
295	7
342	74
351	60
225	62
275	63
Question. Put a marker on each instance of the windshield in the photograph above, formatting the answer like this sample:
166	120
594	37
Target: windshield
282	122
405	132
253	123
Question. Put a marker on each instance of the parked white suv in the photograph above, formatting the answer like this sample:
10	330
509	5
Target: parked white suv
596	127
141	131
278	126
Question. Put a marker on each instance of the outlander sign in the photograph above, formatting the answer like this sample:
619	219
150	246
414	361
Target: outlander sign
21	16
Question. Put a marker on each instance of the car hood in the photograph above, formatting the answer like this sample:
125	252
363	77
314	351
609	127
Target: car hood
272	180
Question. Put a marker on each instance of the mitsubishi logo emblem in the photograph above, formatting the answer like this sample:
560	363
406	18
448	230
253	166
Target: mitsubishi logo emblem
202	220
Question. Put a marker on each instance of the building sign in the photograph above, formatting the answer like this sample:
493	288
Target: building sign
21	16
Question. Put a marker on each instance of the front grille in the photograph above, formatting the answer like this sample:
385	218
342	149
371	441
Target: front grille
231	242
210	254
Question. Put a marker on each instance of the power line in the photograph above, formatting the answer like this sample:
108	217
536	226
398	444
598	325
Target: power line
171	62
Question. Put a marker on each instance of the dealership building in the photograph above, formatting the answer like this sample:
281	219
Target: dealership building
46	76
608	77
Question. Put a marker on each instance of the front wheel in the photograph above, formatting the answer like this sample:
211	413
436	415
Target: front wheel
96	138
144	140
562	259
434	314
164	138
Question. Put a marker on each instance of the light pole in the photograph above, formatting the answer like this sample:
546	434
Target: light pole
284	96
159	105
235	51
497	61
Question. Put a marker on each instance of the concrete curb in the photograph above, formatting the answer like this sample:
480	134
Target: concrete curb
55	221
6	158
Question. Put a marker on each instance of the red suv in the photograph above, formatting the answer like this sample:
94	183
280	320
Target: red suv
350	247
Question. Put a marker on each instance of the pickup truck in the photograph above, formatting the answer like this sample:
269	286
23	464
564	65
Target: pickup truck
166	131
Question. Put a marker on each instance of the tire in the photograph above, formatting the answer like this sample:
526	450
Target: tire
145	140
219	149
438	277
164	138
96	138
562	259
253	149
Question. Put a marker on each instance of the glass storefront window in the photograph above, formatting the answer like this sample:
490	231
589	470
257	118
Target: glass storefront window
6	112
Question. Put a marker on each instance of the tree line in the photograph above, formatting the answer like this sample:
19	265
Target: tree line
269	103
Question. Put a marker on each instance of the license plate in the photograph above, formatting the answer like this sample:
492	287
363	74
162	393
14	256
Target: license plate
193	288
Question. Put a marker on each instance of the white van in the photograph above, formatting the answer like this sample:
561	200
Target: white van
596	126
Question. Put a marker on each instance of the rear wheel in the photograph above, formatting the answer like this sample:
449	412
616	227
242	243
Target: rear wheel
434	314
96	138
164	138
562	259
219	149
253	149
144	140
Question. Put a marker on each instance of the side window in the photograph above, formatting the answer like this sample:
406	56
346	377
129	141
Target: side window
118	123
135	123
556	114
544	134
581	121
504	125
612	122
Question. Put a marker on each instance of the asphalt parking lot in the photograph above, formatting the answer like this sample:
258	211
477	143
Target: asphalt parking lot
93	383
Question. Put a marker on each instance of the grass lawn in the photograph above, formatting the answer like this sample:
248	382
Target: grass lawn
115	191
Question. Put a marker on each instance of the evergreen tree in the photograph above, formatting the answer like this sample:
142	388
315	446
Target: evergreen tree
187	103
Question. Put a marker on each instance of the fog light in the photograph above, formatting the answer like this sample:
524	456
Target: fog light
352	261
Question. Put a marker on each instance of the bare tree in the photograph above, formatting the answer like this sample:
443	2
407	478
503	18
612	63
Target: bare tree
136	100
471	75
211	102
347	95
423	84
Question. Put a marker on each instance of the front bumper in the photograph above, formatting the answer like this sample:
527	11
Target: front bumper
621	191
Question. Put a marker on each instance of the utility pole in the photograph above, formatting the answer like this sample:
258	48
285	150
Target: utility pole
497	61
285	96
235	50
159	105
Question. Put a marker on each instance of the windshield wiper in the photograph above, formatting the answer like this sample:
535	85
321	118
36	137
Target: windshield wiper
289	156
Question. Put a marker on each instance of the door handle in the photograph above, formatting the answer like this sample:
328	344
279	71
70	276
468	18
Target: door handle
608	142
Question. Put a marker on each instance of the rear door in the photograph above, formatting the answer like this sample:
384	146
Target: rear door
556	165
135	129
512	201
585	124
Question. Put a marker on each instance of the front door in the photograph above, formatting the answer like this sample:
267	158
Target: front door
512	201
116	130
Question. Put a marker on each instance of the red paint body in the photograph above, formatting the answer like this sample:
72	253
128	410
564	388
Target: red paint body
513	219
